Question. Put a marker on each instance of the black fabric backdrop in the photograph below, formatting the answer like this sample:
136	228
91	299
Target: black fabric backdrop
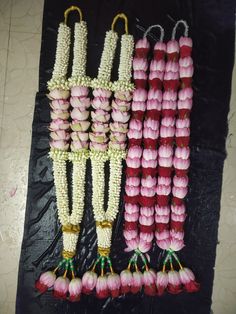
212	29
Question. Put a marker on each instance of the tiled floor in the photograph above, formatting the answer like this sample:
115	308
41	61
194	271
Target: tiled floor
20	35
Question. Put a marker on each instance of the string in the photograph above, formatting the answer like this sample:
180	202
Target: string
162	32
175	28
70	9
121	16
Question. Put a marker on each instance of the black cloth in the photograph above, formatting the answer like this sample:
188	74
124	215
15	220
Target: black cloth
212	29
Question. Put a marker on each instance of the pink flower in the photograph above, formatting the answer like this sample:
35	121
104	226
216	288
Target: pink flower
100	127
132	245
178	235
170	95
162	210
99	92
169	104
146	211
163	189
142	43
140	64
172	46
182	152
60	135
149	133
140	75
59	114
182	132
61	144
165	162
79	136
146	221
149	163
76	145
172	66
82	103
118	127
179	192
59	94
80	125
131	208
135	152
101	103
163	219
153	104
185	41
131	217
178	209
182	123
171	76
135	125
137	281
59	104
174	283
181	182
140	95
117	137
46	281
59	124
185	104
149	182
126	280
75	288
98	146
133	162
149	283
149	154
186	71
98	137
102	291
168	121
156	75
157	65
123	95
134	134
176	245
163	244
178	217
61	287
152	124
133	181
155	94
113	283
188	280
162	235
146	236
160	46
119	116
132	190
161	282
185	62
165	151
144	246
180	163
185	93
164	180
130	234
167	131
138	106
89	281
149	192
77	114
79	91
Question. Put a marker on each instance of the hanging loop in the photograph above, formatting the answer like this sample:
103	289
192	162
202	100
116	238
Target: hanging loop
70	9
162	32
120	16
185	30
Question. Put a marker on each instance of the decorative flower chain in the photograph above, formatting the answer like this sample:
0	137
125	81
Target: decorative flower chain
108	284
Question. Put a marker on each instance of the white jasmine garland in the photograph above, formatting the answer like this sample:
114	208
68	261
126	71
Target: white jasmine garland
62	59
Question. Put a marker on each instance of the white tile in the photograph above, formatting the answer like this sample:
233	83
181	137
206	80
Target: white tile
27	16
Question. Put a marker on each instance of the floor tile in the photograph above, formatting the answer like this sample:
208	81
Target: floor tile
5	12
27	16
4	37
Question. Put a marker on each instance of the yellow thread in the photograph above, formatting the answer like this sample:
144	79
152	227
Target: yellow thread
104	224
67	254
146	267
73	274
103	251
129	266
70	9
121	16
64	276
164	268
171	266
55	270
71	228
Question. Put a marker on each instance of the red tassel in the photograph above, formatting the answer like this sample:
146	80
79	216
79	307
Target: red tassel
166	140
159	54
185	51
138	115
154	114
146	201
141	52
155	83
161	227
181	172
131	225
165	171
149	172
135	142
133	172
150	143
171	85
162	200
140	83
146	229
131	199
183	113
172	56
177	225
177	201
168	113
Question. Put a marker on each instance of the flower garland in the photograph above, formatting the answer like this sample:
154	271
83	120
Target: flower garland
59	143
114	151
172	240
